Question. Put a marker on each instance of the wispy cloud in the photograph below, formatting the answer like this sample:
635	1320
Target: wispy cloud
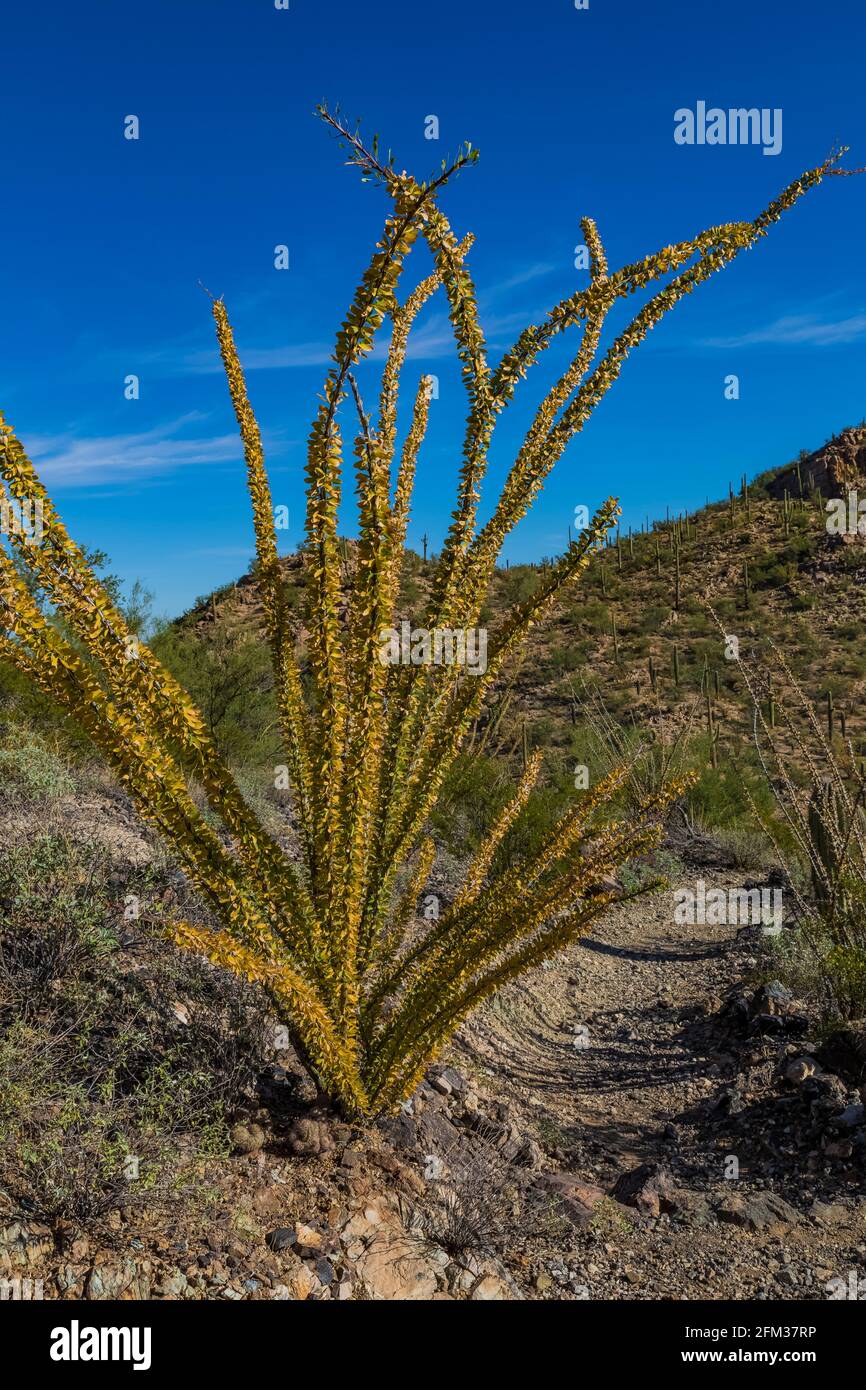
77	461
536	271
207	362
434	339
798	330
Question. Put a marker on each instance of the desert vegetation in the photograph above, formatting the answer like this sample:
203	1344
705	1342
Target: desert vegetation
330	933
262	864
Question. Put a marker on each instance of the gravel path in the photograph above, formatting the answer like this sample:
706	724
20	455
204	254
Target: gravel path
609	1057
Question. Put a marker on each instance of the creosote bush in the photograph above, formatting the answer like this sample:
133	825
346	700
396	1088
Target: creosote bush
331	934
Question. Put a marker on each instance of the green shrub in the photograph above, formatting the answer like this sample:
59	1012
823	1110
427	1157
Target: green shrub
96	1067
229	676
31	770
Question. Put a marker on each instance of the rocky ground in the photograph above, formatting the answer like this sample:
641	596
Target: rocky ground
704	1150
640	1119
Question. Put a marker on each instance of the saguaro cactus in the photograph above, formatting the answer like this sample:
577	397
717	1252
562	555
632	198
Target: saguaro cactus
369	993
836	828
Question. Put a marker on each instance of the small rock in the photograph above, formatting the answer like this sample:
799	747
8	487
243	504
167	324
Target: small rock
800	1069
454	1080
283	1238
308	1239
772	998
364	1224
442	1085
267	1201
390	1270
829	1213
387	1161
826	1093
433	1167
303	1282
529	1155
649	1188
172	1285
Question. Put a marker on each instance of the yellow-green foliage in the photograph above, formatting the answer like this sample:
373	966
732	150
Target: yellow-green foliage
369	995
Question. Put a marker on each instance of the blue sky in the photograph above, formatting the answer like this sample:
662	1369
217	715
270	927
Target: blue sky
105	241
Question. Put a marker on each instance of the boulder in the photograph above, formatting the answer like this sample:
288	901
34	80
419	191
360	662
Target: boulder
772	998
391	1269
649	1188
758	1212
577	1199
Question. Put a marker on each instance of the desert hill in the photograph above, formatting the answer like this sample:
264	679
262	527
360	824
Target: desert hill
639	620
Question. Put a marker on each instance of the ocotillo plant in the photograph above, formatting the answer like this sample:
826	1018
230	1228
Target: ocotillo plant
331	933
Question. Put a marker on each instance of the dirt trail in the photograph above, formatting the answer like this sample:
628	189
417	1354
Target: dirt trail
608	1055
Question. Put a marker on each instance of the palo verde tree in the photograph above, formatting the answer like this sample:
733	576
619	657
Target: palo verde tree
331	933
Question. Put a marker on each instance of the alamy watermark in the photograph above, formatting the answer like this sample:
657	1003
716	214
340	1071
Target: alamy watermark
77	1343
18	1290
438	646
22	518
721	907
846	516
849	1286
737	126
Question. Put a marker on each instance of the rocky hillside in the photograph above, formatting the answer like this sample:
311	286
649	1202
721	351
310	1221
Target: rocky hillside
833	469
639	624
